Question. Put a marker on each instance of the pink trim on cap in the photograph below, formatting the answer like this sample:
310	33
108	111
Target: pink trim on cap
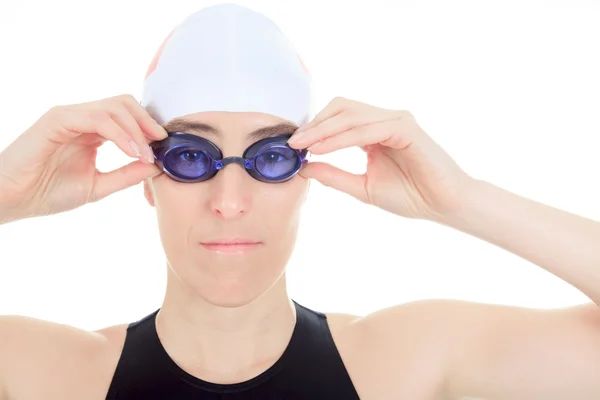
154	62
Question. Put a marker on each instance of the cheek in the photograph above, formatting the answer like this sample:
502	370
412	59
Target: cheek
281	204
175	210
169	194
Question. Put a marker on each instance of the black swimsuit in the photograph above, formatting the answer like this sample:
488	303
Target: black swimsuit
310	368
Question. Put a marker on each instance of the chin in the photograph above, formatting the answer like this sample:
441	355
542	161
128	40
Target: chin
236	290
227	281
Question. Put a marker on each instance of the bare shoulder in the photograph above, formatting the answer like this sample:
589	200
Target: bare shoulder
395	352
56	356
427	349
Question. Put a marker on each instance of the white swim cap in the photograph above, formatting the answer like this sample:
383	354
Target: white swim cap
228	58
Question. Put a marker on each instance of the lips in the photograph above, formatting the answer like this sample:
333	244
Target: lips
231	245
232	241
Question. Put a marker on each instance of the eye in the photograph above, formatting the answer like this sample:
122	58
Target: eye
190	155
188	162
272	157
277	162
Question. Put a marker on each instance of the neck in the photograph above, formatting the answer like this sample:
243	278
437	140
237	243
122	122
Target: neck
223	344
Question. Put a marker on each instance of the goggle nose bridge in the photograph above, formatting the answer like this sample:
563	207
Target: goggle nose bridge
220	164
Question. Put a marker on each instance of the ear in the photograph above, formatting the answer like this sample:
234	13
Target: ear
148	191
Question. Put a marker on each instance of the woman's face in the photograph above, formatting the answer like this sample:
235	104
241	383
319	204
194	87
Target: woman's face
230	205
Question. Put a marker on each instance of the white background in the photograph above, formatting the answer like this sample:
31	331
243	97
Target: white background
511	91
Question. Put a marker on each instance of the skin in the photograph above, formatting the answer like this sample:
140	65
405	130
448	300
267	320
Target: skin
223	324
227	308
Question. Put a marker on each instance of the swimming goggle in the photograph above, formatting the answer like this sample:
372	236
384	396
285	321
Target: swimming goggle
190	158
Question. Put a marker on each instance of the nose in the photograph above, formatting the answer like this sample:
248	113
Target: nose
230	192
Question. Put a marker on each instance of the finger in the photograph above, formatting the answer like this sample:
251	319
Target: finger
91	140
330	127
130	125
340	122
395	133
367	148
128	175
331	176
362	135
146	128
98	121
334	107
151	129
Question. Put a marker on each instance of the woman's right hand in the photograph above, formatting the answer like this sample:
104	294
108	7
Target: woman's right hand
51	167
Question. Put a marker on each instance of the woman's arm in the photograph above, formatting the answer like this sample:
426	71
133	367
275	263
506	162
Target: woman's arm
565	244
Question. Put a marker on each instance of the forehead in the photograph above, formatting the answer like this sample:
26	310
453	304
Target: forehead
249	125
230	119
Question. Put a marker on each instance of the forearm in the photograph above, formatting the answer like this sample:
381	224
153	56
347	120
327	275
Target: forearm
565	244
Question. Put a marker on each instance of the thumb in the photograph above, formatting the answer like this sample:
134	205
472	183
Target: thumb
344	181
128	175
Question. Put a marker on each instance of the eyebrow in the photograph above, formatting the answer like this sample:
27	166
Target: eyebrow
186	126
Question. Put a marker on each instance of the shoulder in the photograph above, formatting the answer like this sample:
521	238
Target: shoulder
426	348
412	322
56	356
396	351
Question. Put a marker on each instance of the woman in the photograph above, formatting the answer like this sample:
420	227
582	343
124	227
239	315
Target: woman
227	328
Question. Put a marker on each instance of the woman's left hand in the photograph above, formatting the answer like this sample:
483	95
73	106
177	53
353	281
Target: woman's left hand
407	174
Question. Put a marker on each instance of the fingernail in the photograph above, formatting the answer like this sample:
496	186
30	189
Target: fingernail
136	149
149	153
162	130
